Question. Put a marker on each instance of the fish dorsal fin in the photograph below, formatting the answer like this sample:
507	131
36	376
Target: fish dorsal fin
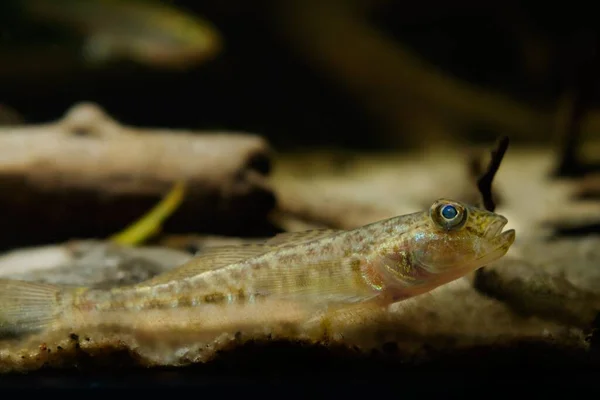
293	238
221	256
209	260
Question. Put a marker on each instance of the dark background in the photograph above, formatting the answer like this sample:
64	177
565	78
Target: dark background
258	84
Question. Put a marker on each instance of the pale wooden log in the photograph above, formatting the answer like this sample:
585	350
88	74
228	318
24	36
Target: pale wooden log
88	174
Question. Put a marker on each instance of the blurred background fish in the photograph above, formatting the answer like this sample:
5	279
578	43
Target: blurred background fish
148	32
307	73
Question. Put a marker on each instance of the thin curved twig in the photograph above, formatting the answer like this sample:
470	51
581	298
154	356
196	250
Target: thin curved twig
484	183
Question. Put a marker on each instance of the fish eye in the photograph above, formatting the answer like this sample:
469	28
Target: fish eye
449	212
449	216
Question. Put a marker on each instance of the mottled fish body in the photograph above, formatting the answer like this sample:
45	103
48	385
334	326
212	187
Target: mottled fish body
380	263
149	32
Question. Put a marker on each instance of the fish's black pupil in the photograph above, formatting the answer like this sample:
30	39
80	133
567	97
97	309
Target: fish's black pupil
449	212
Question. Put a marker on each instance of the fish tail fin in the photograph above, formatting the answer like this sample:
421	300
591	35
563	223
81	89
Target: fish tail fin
27	307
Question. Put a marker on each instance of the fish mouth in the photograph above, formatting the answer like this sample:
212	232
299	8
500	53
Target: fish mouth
500	240
499	243
495	227
494	233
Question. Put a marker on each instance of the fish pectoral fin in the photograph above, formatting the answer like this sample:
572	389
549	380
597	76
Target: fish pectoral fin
293	238
320	283
209	260
27	307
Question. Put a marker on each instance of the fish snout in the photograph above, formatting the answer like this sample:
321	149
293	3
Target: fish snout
495	227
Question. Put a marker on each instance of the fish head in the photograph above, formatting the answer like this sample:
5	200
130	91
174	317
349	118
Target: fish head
176	40
454	236
165	40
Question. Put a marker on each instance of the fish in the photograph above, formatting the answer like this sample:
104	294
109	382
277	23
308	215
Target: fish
146	32
380	263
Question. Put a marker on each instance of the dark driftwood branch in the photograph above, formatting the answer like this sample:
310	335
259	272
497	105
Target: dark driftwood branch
87	175
484	183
